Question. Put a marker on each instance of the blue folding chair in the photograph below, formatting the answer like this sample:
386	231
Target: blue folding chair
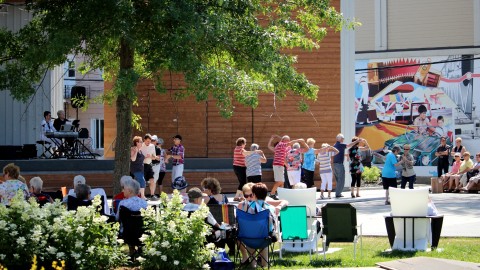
253	233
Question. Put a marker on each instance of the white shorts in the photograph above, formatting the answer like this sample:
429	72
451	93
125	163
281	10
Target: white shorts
177	171
156	172
278	172
294	177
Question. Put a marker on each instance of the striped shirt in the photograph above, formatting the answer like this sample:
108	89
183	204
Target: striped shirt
238	158
325	162
254	167
280	152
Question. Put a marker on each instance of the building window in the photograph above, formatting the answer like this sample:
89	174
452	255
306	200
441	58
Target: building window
71	69
97	133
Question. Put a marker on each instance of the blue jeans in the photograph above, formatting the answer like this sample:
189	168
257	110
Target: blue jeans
409	179
140	177
339	172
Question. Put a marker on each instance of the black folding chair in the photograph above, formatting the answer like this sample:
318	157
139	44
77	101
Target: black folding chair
133	228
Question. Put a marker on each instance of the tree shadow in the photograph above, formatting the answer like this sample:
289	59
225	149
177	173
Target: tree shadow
397	254
328	263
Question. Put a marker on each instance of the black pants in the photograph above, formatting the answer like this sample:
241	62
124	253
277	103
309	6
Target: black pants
409	179
442	165
241	173
254	178
356	178
308	177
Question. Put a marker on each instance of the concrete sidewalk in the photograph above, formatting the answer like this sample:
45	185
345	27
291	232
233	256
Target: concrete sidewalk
461	211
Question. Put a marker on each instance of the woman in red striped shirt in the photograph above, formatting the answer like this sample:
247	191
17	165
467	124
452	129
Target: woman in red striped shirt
239	167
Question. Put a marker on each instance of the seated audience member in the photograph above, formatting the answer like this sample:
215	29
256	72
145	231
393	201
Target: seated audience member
473	176
80	179
450	176
212	188
260	192
11	185
465	167
120	196
81	198
132	202
36	186
195	198
180	184
248	197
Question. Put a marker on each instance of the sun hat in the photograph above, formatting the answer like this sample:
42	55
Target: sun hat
179	183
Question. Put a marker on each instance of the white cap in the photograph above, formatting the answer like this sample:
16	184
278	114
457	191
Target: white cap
154	138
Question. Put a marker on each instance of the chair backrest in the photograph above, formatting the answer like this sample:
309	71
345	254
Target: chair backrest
55	195
223	213
409	202
339	222
293	223
73	203
296	197
132	222
253	225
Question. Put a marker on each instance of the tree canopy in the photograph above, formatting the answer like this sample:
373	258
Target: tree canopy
226	49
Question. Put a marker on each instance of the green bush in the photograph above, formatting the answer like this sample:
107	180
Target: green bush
371	175
173	240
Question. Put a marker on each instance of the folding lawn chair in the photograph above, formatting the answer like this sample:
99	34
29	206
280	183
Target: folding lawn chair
253	233
340	225
297	231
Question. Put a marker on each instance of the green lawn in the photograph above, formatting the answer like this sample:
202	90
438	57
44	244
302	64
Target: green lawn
463	249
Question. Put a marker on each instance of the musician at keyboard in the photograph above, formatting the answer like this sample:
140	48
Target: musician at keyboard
47	126
61	121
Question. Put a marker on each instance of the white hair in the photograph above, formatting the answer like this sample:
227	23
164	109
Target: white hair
36	184
340	136
132	185
296	145
124	179
79	179
286	138
254	147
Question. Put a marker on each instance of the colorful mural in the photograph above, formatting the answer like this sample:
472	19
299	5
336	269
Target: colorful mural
417	101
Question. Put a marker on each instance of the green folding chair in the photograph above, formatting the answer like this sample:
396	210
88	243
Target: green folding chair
295	230
340	225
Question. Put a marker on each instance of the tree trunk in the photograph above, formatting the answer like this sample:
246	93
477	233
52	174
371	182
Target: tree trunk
124	121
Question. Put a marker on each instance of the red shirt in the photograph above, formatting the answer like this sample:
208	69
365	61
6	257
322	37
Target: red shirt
280	153
238	158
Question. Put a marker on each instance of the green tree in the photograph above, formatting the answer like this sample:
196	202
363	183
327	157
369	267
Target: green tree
226	49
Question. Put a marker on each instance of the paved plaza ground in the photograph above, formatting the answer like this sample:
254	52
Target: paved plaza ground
461	211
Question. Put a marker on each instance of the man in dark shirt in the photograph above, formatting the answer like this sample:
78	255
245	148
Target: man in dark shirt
338	168
442	153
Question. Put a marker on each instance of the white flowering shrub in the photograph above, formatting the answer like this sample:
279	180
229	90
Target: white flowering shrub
173	240
83	239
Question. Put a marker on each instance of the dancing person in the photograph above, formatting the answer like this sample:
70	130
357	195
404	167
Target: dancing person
239	166
280	152
177	152
324	158
293	161
308	167
254	159
356	167
136	164
160	164
408	173
148	150
442	154
338	168
389	177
